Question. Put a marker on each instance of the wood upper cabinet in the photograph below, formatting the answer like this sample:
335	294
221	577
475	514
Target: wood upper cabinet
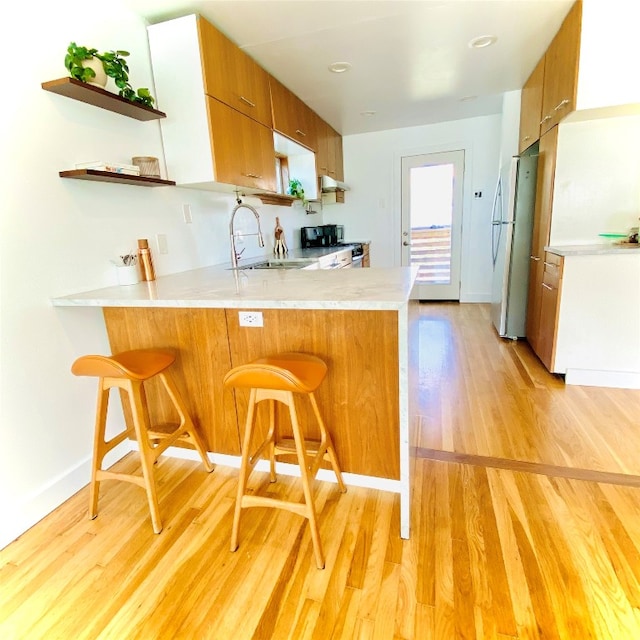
242	148
292	117
329	159
561	71
208	139
541	231
531	107
233	77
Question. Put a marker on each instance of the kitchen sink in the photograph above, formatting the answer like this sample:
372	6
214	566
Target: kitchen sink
279	264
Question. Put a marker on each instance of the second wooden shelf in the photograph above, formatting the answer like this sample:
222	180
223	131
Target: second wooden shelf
108	176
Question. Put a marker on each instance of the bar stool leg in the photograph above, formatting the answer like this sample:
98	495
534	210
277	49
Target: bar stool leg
186	424
306	486
331	452
147	455
98	448
244	468
272	442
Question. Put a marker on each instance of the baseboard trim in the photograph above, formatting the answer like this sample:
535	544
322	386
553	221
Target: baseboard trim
595	378
287	469
475	297
41	502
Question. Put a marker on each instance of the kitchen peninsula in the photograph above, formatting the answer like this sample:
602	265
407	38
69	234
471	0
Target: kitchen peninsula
362	322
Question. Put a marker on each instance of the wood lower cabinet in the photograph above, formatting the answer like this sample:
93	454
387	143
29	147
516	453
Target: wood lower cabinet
199	337
292	117
551	287
541	232
531	107
242	148
561	71
233	77
359	399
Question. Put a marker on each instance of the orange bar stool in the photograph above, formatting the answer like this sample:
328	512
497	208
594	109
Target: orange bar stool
276	379
128	371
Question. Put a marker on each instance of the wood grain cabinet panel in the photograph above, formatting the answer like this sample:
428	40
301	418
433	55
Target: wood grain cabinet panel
541	231
329	157
561	71
359	397
549	309
242	149
233	77
292	117
199	338
531	107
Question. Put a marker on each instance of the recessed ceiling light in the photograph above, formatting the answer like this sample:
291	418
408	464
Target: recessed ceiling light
367	114
339	67
482	41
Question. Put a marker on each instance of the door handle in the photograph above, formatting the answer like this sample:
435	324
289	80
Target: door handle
406	244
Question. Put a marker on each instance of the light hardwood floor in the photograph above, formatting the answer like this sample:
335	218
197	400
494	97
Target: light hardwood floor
524	525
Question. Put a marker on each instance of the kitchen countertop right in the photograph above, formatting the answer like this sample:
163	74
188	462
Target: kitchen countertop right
592	249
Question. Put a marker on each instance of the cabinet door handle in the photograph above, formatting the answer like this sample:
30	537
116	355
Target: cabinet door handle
301	133
526	138
546	286
251	175
550	264
536	258
545	119
561	105
323	168
247	101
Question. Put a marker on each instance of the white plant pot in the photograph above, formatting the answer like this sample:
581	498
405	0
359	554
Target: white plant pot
129	274
100	79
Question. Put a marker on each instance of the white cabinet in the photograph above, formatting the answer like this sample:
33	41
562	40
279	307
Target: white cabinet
598	337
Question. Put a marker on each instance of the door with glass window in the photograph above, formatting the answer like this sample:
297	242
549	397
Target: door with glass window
431	230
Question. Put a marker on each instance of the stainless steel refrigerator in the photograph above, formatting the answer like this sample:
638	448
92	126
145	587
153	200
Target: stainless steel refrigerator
512	229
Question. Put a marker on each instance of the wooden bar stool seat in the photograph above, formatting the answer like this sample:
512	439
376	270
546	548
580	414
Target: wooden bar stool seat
128	371
276	379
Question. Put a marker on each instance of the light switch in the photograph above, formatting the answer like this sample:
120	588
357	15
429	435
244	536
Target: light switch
161	240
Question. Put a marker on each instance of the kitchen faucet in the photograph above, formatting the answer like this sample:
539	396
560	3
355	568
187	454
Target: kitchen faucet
234	254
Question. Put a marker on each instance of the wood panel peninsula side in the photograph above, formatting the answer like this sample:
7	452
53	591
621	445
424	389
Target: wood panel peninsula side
362	322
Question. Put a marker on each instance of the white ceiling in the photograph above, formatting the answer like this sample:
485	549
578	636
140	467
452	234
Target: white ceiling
411	62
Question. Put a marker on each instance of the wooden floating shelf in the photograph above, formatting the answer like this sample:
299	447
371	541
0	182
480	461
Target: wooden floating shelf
72	88
276	198
108	176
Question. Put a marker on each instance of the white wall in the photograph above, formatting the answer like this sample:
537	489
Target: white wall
597	187
58	237
372	163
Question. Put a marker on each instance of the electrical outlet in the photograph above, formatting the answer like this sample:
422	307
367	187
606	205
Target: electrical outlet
186	213
250	318
161	240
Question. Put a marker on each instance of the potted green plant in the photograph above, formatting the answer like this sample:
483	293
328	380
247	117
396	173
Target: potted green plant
83	65
114	66
297	191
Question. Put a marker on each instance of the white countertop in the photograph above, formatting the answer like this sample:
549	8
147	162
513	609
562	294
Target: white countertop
220	287
592	249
